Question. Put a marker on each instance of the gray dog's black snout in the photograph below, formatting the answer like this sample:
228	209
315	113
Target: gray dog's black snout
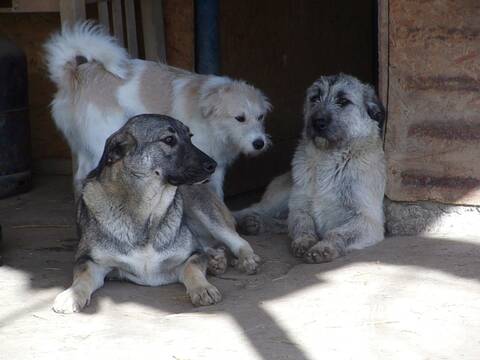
320	124
258	144
210	166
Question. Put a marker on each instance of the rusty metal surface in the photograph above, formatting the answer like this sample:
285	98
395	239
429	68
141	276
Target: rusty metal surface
433	130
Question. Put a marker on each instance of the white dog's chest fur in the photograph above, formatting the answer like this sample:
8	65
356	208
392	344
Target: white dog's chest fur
333	180
145	265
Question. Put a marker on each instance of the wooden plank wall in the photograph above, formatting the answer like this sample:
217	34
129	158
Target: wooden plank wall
433	128
30	30
282	46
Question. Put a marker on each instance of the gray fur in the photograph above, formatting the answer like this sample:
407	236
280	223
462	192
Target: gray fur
139	218
334	193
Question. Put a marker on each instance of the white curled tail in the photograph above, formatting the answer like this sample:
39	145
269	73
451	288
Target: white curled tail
83	42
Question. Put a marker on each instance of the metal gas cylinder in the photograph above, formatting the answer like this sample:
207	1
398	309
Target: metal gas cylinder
15	172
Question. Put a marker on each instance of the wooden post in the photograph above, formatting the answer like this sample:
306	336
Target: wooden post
72	11
131	28
103	16
153	30
383	51
117	20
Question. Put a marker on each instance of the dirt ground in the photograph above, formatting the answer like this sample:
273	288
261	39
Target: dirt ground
406	298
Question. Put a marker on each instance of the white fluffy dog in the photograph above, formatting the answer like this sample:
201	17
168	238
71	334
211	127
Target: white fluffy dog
100	87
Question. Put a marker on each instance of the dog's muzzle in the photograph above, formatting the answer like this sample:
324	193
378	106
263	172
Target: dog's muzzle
320	124
210	166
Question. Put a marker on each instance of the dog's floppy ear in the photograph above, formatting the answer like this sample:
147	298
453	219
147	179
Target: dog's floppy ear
211	98
116	147
375	108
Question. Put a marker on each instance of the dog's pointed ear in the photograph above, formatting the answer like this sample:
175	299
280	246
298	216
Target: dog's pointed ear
375	109
118	145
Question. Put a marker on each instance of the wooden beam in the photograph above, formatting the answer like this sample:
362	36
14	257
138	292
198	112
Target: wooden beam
72	11
131	28
103	16
383	51
35	6
117	20
153	30
32	6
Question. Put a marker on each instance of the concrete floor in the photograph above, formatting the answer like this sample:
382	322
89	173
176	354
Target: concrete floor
407	298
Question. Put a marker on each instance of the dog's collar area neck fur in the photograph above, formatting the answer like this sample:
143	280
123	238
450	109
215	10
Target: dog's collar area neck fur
147	202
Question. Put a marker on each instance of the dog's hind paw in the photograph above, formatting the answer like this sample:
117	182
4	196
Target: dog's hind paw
205	295
217	261
251	224
68	302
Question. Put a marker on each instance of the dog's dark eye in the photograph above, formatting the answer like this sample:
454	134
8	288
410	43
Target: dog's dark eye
342	102
314	98
240	118
170	140
260	118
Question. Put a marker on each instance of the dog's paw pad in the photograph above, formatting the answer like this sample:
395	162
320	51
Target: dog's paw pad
250	225
204	296
249	263
321	253
302	245
68	302
217	262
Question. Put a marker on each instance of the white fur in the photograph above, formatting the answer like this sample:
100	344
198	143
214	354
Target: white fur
84	39
86	123
129	94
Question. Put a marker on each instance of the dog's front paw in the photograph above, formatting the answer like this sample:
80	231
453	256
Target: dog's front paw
205	295
217	261
248	261
251	224
323	251
69	301
302	244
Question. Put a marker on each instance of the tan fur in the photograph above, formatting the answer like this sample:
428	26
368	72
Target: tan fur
200	291
156	91
97	87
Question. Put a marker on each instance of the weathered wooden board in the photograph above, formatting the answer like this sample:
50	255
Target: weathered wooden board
179	33
433	131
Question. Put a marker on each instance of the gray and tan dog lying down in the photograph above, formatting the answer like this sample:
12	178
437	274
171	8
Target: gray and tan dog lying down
140	220
334	194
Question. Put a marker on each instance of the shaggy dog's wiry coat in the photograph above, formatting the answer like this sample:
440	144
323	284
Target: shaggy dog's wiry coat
334	193
100	87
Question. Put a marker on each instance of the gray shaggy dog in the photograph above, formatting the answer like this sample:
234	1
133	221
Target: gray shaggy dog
334	194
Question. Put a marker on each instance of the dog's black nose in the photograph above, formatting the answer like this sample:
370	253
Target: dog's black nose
210	166
320	124
258	144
